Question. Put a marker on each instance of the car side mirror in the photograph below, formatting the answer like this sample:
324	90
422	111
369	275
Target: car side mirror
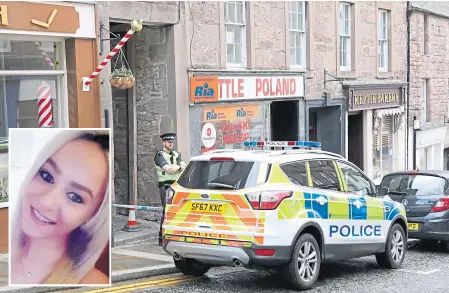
382	190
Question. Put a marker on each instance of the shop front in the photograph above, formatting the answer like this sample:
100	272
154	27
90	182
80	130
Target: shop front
376	127
45	50
227	110
429	139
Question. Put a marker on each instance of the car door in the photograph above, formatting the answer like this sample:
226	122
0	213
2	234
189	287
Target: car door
331	204
369	212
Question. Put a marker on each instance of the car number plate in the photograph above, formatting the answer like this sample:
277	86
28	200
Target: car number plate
207	207
413	226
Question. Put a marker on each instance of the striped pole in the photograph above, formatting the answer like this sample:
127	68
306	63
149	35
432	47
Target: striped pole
44	55
44	106
136	26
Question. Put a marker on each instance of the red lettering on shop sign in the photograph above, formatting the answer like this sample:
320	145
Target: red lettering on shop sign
227	127
234	87
235	132
272	87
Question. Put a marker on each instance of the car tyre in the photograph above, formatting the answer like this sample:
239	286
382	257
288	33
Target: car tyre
395	249
191	267
304	268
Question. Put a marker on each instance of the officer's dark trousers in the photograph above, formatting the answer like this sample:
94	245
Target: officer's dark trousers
162	190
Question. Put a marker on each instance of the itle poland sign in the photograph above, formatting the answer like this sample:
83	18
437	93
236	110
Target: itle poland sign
226	88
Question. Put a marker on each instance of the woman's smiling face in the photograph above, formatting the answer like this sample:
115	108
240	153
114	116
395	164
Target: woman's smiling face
66	191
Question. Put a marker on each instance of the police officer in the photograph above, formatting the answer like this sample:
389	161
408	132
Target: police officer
169	166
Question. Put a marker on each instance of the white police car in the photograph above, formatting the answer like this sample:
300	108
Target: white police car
285	210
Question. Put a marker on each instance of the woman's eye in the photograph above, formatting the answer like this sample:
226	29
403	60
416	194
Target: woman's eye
46	177
75	197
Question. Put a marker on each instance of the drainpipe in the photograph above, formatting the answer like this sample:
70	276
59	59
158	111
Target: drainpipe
408	15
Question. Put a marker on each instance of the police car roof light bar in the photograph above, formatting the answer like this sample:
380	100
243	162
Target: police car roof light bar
294	144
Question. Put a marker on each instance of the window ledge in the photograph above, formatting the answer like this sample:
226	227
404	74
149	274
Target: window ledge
347	74
384	74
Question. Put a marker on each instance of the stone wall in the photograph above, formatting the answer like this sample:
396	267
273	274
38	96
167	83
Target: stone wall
150	94
323	45
269	34
433	66
153	115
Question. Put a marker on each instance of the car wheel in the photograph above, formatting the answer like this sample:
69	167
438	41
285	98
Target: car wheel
304	268
395	249
191	267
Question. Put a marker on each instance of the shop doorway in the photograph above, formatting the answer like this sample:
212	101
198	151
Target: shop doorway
284	120
325	127
355	139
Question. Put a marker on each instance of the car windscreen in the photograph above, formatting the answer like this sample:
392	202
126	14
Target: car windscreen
232	175
413	184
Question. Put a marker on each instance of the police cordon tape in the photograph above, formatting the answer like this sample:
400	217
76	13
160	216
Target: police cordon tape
142	208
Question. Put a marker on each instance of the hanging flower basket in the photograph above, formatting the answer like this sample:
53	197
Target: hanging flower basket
122	78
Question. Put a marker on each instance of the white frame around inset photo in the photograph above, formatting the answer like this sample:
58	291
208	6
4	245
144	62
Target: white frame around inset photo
29	149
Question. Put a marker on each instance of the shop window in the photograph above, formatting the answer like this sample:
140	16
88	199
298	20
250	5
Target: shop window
235	23
296	172
383	146
25	66
323	175
297	28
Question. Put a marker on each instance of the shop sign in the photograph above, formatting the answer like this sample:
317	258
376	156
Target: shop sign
230	88
229	127
375	98
76	19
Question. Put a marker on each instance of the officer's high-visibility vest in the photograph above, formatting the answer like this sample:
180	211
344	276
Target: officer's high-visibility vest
164	176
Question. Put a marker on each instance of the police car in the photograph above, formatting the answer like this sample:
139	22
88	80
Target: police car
287	210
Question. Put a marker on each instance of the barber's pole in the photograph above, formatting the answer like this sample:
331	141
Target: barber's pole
44	55
44	106
136	26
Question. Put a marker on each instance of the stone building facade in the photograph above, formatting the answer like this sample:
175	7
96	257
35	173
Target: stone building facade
429	82
139	115
183	42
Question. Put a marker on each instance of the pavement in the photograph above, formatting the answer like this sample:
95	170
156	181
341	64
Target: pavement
134	255
148	233
425	269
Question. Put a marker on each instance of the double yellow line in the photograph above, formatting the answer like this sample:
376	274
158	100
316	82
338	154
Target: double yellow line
143	285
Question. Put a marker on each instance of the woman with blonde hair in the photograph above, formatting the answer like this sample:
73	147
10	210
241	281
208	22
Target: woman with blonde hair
60	218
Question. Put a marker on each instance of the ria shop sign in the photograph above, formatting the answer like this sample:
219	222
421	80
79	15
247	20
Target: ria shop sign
229	88
375	98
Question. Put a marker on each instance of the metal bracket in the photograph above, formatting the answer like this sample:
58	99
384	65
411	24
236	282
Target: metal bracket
102	28
85	87
326	73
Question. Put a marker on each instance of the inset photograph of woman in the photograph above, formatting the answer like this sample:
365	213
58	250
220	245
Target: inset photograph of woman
60	219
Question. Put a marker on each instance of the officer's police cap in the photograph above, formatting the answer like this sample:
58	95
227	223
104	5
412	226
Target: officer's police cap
168	136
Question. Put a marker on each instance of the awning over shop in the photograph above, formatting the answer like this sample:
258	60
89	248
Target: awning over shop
389	112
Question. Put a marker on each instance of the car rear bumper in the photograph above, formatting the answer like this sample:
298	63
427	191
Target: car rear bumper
437	229
227	255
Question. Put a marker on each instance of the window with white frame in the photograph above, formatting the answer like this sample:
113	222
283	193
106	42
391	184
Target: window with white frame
297	28
31	69
383	32
235	23
345	36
